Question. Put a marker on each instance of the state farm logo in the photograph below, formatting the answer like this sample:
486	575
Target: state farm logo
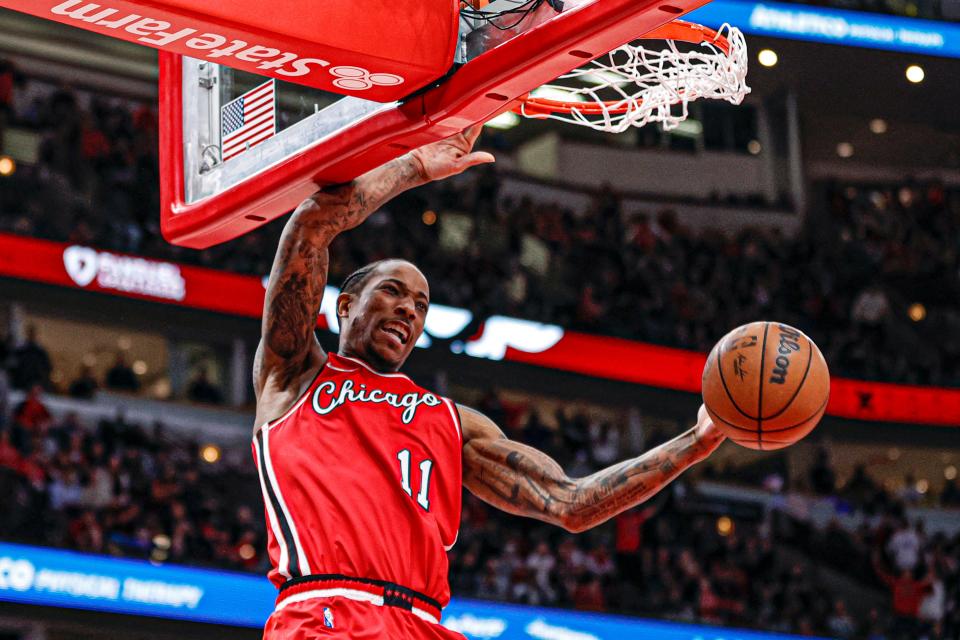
124	273
161	33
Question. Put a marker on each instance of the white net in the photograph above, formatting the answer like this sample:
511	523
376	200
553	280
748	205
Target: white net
632	86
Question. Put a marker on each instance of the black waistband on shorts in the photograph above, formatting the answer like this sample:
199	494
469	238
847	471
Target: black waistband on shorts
394	595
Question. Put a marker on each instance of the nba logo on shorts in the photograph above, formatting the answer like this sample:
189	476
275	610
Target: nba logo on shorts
328	617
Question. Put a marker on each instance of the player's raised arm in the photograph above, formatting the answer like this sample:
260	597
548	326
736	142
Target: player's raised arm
288	347
527	482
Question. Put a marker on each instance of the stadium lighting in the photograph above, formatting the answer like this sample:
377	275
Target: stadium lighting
506	120
724	526
915	73
844	149
878	125
7	166
767	57
210	453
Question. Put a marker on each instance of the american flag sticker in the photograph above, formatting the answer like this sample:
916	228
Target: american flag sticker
248	120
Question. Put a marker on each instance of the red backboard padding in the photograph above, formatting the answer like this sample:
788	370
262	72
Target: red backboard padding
402	47
477	91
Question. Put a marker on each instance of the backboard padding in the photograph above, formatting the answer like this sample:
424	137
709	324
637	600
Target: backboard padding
499	68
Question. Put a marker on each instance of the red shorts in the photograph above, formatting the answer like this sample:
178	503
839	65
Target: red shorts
344	618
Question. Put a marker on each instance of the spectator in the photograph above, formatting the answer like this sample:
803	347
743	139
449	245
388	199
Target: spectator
904	546
588	595
907	593
604	443
4	396
933	607
542	564
121	377
9	454
31	413
950	496
909	493
31	364
871	307
840	624
822	477
202	390
84	385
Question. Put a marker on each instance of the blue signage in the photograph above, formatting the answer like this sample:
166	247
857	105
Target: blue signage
834	26
51	577
486	620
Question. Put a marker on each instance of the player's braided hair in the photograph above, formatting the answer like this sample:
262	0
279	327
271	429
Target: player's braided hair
355	281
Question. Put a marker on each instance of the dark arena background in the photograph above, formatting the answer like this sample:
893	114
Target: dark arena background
577	286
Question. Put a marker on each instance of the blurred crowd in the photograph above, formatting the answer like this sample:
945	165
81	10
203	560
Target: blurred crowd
123	489
918	571
873	279
28	364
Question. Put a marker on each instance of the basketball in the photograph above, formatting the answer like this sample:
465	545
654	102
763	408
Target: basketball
766	385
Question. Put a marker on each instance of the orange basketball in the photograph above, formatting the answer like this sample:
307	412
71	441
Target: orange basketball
766	385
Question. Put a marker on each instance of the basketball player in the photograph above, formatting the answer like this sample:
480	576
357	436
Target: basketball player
361	469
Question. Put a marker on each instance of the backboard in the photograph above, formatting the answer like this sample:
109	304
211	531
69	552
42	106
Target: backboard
307	41
380	79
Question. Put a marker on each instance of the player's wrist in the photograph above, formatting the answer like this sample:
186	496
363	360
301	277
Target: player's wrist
706	438
413	169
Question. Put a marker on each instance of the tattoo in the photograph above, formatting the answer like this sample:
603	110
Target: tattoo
527	482
299	272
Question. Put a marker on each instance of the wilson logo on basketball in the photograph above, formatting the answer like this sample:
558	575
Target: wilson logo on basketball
789	342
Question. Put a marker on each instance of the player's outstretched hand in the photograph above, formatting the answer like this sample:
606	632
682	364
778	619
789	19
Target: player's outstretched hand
451	156
708	435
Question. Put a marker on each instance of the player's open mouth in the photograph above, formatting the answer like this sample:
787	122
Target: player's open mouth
398	330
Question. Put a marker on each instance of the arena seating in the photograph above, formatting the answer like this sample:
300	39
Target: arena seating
117	487
878	250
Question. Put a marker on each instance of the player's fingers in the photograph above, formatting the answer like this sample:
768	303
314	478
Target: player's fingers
472	133
475	158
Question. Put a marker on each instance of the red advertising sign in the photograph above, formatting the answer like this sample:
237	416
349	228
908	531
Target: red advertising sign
500	338
130	276
656	366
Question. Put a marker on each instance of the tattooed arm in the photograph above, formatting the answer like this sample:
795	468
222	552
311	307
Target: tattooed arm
289	354
526	482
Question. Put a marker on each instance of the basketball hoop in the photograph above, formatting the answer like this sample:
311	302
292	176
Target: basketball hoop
632	85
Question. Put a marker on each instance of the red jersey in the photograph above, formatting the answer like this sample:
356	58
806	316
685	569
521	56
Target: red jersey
362	477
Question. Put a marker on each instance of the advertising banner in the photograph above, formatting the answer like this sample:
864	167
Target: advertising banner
493	338
51	577
834	26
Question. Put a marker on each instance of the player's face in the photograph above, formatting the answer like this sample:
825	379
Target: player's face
387	318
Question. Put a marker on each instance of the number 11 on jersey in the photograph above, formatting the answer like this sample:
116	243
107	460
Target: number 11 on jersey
426	466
